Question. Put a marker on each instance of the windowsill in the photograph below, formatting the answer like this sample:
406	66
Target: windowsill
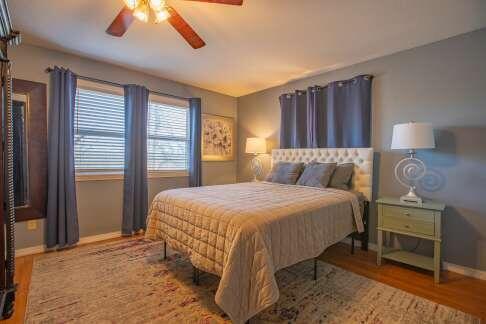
103	176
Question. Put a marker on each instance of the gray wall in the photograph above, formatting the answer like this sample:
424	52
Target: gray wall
443	83
100	202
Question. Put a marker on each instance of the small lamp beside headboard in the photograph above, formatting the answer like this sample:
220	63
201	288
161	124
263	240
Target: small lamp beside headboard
255	146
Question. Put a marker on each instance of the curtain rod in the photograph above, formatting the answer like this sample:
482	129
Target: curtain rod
339	82
116	84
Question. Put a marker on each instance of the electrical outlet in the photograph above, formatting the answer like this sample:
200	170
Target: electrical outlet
32	225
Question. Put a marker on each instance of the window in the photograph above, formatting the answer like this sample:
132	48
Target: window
99	129
99	126
168	138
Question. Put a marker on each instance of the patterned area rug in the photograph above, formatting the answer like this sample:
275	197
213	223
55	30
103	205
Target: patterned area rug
126	282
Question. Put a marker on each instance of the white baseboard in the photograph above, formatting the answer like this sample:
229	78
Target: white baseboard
30	250
83	240
99	237
466	271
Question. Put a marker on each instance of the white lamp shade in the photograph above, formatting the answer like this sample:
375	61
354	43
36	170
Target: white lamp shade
411	136
256	145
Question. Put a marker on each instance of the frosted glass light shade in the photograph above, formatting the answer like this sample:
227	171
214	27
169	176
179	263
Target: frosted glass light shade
157	5
142	12
256	145
161	15
412	136
132	4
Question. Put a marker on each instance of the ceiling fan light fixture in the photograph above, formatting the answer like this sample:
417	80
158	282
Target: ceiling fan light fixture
132	4
142	12
161	15
157	5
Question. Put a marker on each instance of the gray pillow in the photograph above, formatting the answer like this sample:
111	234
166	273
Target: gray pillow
285	172
342	176
317	174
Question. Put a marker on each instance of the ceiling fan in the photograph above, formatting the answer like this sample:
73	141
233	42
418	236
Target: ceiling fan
141	10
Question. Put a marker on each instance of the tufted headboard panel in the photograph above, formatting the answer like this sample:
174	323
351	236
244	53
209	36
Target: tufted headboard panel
361	157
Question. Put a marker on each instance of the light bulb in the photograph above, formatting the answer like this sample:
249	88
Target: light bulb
157	5
132	4
142	12
161	15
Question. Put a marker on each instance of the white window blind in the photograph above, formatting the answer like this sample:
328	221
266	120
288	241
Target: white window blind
99	133
99	128
168	137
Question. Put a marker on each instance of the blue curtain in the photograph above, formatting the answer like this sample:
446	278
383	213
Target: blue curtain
293	108
316	116
349	113
135	195
62	215
195	142
336	115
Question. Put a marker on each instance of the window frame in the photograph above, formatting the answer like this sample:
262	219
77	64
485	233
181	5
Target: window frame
118	174
177	103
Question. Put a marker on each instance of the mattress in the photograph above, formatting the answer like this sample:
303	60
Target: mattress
245	232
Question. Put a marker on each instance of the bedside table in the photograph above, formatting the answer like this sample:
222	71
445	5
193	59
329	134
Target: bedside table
409	219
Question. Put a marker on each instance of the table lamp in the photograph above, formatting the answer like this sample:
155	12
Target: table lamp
411	136
256	145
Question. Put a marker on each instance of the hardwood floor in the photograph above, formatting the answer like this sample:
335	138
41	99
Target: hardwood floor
457	291
23	271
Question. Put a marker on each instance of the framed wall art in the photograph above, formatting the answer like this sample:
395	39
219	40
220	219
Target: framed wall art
218	138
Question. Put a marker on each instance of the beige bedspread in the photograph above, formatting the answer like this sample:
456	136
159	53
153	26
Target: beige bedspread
245	232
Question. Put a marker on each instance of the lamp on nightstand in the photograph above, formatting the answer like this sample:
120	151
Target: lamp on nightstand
411	136
256	145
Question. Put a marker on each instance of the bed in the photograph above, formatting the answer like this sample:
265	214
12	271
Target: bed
245	232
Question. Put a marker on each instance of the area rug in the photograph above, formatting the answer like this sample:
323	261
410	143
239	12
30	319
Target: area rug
127	282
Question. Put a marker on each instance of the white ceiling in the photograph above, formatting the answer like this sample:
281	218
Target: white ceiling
262	44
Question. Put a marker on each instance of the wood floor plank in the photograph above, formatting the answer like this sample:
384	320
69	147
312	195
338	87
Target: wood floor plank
23	273
457	291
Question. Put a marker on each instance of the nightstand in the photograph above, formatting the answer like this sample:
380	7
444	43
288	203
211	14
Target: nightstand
408	219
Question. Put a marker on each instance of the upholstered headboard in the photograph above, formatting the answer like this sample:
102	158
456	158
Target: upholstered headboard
361	157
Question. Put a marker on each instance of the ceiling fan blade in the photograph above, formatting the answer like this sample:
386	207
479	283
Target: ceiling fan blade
228	2
121	23
184	29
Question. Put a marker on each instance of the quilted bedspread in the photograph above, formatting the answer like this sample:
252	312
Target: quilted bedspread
245	232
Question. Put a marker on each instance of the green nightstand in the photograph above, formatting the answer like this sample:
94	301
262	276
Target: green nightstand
408	219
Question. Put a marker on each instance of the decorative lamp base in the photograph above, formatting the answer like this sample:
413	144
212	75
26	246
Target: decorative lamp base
257	168
411	198
409	171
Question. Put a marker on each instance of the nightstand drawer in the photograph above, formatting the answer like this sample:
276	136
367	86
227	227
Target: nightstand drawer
412	220
409	213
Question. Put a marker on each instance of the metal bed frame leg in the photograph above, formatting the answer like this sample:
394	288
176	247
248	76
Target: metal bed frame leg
362	237
365	235
315	268
352	244
195	275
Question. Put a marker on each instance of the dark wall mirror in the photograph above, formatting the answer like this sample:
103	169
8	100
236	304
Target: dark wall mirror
21	160
30	149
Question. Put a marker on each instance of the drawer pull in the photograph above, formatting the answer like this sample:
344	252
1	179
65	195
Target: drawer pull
407	226
407	214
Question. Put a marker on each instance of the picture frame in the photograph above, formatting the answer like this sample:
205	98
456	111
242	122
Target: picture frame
218	138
